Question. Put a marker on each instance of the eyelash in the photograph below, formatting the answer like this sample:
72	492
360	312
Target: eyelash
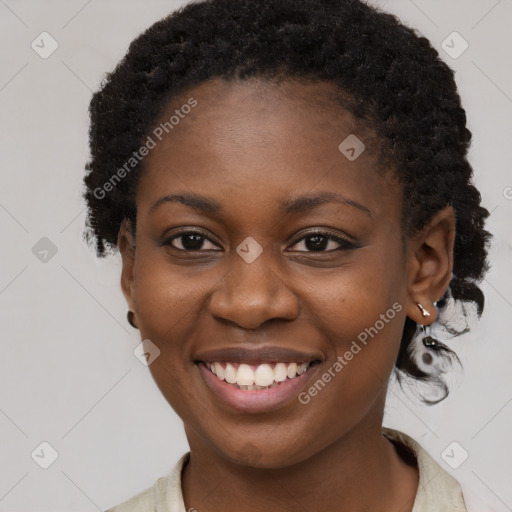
345	244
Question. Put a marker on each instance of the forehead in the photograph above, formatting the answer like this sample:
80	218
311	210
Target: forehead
259	139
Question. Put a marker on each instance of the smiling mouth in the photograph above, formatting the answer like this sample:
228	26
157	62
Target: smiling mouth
262	376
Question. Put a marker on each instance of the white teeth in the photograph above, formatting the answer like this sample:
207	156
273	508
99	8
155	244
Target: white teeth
230	374
292	370
301	368
280	372
219	371
245	376
264	376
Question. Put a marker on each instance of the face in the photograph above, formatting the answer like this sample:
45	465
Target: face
251	272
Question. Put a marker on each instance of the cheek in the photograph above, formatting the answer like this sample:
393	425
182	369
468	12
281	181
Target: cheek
168	305
168	299
353	297
360	310
363	327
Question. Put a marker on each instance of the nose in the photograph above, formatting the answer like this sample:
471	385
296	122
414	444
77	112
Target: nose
253	293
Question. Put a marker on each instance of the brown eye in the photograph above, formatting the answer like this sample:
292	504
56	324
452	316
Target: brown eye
190	241
319	241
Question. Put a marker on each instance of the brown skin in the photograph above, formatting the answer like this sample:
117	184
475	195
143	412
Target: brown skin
249	145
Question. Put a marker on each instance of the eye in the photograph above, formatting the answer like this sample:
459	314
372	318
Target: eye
190	241
318	241
315	241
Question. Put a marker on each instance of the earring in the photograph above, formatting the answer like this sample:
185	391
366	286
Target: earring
423	348
424	312
129	317
428	341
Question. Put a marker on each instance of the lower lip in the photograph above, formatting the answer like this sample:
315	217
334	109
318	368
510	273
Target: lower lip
256	400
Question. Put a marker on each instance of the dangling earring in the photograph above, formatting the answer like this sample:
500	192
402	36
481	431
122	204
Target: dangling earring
428	341
423	353
129	317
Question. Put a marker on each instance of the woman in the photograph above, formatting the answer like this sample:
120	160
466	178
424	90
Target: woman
287	184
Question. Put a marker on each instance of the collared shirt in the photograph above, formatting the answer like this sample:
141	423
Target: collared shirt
437	490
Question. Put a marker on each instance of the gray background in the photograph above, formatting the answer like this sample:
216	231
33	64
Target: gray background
68	375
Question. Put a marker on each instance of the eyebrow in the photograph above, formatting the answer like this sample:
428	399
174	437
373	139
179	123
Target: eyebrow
291	206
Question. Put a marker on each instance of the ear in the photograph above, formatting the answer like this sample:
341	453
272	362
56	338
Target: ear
126	246
430	265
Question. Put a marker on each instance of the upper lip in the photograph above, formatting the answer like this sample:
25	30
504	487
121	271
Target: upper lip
256	355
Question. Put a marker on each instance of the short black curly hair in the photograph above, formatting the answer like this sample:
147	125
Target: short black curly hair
397	86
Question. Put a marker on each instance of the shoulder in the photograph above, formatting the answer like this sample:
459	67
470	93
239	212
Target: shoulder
163	496
437	489
142	502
